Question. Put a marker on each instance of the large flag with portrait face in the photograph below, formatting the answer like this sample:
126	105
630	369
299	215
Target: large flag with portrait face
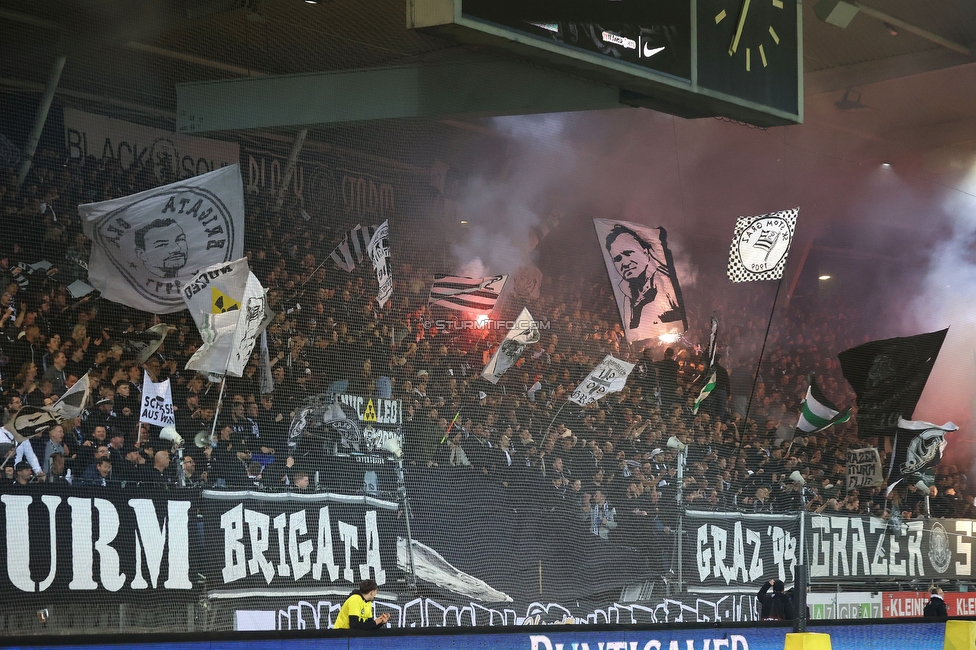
644	279
146	246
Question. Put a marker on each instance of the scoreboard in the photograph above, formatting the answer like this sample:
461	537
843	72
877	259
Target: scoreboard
740	59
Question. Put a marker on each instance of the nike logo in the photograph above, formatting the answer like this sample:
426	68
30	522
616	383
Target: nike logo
651	52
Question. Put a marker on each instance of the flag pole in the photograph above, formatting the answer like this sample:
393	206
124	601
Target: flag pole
762	352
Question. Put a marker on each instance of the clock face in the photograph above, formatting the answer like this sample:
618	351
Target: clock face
748	49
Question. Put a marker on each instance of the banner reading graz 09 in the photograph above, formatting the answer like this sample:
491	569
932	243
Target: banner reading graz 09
851	548
288	540
80	542
729	552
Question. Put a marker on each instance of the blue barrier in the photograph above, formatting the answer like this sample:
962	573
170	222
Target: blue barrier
890	636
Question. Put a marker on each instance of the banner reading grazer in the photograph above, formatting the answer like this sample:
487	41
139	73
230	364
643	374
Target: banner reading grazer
851	548
730	552
644	279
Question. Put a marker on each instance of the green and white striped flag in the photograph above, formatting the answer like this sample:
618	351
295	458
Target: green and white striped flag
818	412
705	391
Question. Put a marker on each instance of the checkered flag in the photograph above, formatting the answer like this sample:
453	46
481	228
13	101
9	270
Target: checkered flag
760	246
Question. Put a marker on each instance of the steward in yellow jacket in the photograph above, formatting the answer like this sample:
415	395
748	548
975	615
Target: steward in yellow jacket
357	611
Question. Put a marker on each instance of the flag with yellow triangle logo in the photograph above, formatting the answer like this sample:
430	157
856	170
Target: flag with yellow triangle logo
222	303
228	305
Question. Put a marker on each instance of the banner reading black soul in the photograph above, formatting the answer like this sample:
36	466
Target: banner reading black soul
731	552
129	544
853	548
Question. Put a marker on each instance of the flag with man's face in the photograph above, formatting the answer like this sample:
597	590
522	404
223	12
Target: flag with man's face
643	278
147	246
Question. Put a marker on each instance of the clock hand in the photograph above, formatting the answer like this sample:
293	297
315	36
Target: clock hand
738	31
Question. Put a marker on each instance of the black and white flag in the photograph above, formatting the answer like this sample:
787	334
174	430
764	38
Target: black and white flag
352	249
147	246
760	246
525	332
379	253
644	279
608	377
466	294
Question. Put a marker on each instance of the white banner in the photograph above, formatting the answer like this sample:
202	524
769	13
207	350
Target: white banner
644	280
864	468
157	403
608	377
525	332
106	139
379	252
146	246
228	304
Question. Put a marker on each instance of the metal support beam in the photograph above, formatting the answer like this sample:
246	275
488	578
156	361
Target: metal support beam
914	29
476	88
296	148
41	118
856	75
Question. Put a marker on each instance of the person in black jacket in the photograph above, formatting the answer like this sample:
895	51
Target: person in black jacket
776	606
936	607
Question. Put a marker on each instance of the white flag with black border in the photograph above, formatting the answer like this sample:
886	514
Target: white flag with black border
525	332
147	246
379	253
608	377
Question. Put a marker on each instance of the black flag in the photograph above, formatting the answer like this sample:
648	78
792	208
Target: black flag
888	377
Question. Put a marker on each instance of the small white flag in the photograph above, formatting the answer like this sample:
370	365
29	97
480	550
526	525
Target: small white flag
157	403
608	377
524	333
265	377
73	402
379	252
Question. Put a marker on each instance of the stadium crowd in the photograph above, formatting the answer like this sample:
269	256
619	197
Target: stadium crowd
609	464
